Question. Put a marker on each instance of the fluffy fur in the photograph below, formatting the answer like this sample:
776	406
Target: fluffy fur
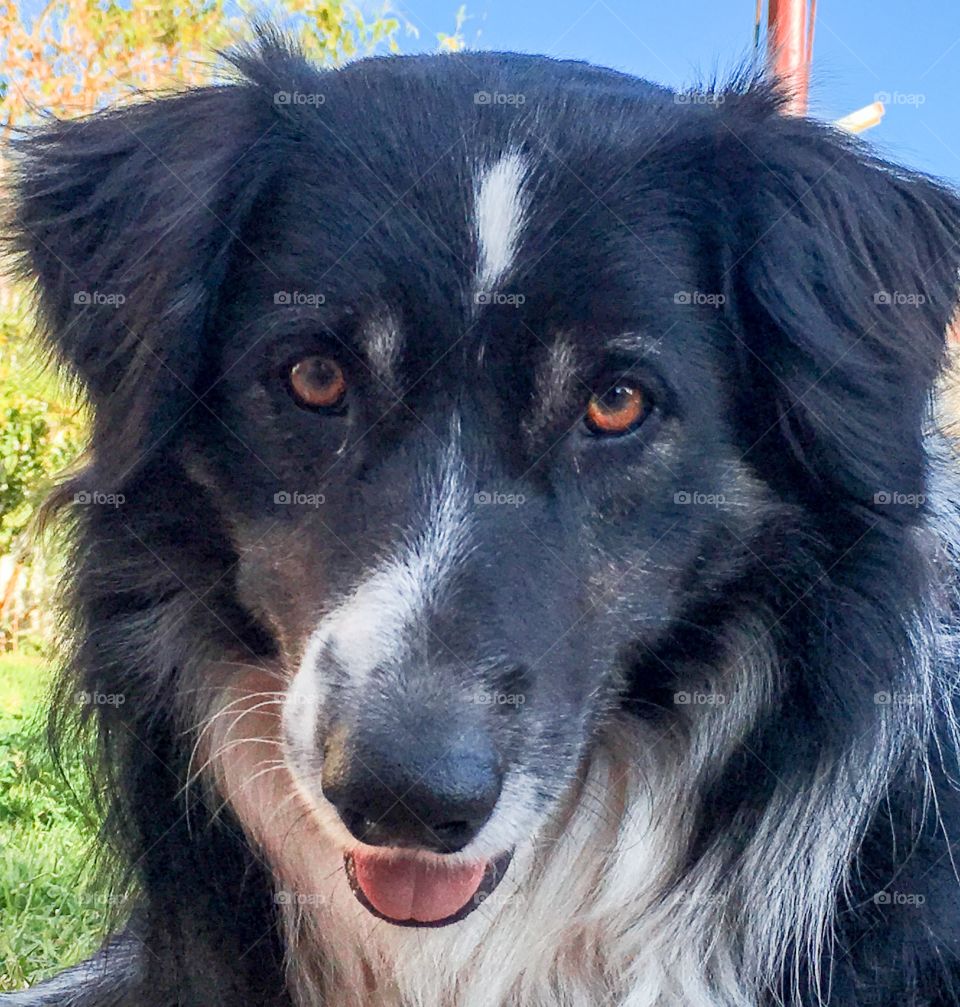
729	636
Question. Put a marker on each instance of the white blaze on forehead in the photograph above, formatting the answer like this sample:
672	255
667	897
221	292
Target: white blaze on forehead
499	207
373	625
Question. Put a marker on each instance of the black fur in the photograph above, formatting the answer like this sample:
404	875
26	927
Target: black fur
807	390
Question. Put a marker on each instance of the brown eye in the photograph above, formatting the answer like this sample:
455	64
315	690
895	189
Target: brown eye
318	383
617	411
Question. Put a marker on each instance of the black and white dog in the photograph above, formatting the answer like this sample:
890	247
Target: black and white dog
515	566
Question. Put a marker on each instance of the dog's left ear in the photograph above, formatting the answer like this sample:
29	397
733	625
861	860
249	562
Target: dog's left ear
842	273
125	221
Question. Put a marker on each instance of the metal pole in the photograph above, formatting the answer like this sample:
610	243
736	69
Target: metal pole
789	40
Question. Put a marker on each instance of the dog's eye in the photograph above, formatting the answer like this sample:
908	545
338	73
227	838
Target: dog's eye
318	383
616	411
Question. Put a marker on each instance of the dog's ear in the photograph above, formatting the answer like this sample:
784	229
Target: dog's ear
842	273
125	222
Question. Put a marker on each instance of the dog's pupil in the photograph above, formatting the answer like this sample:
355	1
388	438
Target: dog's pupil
618	398
621	399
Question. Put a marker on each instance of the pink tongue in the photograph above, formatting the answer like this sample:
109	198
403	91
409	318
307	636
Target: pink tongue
403	888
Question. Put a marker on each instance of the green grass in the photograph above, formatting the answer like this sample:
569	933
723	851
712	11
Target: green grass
50	917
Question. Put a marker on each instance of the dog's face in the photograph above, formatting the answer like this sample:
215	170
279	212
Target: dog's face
492	444
494	406
471	514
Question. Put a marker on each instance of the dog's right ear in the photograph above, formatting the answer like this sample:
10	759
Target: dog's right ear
125	221
841	273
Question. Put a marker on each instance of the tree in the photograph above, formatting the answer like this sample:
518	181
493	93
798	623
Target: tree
78	55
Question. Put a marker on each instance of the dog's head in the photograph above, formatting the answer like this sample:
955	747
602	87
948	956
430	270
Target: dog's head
481	395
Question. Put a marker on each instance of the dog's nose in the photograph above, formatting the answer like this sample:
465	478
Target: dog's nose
430	796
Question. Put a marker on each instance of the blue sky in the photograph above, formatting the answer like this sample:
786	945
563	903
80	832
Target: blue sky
909	51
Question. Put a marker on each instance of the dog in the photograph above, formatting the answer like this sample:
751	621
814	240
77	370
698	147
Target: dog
516	562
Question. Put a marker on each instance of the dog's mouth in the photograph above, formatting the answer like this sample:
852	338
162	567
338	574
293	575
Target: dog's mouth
408	891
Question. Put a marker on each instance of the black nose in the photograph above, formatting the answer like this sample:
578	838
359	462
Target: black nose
412	792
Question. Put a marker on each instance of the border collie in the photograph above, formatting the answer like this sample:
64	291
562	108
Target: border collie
516	561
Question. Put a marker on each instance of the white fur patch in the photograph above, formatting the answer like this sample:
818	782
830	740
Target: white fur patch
499	210
372	625
382	341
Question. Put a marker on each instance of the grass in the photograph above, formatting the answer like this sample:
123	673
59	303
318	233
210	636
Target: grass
50	917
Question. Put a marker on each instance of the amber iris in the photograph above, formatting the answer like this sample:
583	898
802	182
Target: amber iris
318	382
617	411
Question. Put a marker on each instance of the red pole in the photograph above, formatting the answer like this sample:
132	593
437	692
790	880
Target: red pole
789	45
